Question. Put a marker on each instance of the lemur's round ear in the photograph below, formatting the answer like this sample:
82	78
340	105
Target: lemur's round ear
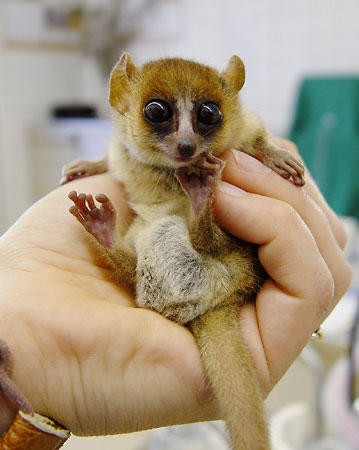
234	73
120	78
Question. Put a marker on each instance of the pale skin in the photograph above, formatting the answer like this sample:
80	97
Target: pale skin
85	356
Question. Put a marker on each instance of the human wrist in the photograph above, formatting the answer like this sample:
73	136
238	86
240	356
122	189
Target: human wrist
20	426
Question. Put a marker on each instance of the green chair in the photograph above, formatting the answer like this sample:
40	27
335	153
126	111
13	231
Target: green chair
326	131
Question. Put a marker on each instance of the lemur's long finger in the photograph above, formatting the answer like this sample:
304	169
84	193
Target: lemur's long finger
297	165
90	202
283	172
105	202
287	172
77	214
81	201
289	168
73	196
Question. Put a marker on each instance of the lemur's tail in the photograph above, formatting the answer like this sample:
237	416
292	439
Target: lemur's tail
231	373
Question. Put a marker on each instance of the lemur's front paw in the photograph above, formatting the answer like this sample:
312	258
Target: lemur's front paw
97	220
286	165
199	179
80	169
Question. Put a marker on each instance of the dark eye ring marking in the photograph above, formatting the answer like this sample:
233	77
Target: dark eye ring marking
157	111
209	114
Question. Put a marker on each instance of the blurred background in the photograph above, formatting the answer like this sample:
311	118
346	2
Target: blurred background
302	63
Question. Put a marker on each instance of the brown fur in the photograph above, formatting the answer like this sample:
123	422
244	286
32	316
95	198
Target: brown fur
187	268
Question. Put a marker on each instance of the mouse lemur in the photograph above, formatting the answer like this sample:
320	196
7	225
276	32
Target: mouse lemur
173	119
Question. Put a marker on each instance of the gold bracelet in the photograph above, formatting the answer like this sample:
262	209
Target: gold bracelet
33	432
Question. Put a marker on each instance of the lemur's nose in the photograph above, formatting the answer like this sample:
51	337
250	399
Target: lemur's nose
186	148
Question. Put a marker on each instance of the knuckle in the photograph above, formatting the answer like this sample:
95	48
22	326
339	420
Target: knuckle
325	293
331	286
340	233
326	286
286	215
343	283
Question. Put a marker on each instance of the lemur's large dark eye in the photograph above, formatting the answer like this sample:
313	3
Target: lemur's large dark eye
209	114
157	111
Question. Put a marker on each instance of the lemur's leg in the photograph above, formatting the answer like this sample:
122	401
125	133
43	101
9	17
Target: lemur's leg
81	168
172	277
100	222
255	140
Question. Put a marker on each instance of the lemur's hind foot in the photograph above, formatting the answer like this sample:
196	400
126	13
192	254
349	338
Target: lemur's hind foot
99	221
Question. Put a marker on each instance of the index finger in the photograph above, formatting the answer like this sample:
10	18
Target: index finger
287	249
251	175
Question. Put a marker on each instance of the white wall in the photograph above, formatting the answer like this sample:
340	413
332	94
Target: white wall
31	83
279	40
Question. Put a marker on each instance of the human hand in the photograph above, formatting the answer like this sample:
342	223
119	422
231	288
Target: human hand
301	244
82	353
84	356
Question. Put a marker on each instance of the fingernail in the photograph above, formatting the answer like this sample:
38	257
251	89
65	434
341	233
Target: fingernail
230	189
248	163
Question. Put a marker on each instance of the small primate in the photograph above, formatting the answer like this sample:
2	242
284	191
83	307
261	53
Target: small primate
173	119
